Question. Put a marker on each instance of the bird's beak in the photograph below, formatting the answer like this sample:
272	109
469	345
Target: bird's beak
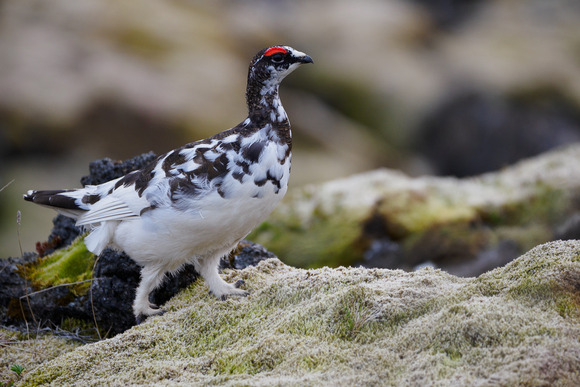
305	59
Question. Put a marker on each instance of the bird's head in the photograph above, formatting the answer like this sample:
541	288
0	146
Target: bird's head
273	64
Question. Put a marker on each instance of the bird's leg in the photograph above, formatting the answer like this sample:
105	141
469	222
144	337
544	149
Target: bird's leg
207	267
150	279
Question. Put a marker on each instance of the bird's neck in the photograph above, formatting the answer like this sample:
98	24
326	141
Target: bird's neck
265	107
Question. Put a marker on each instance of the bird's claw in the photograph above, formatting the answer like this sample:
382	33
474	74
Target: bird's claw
236	285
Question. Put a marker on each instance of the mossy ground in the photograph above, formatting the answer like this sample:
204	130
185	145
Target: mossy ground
516	325
28	350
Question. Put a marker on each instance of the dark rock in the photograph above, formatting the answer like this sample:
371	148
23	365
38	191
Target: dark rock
485	260
25	307
476	133
113	291
112	263
445	255
63	233
110	298
464	250
13	285
106	169
448	14
569	229
383	253
247	254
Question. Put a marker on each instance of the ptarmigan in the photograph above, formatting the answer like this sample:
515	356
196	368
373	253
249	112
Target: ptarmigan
195	203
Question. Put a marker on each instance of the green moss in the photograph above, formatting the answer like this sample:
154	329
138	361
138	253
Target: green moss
458	240
322	242
527	235
65	266
453	354
535	285
567	307
487	288
410	212
257	358
545	205
353	312
310	363
532	291
86	330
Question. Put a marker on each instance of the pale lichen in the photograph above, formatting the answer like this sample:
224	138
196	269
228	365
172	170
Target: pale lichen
29	350
518	324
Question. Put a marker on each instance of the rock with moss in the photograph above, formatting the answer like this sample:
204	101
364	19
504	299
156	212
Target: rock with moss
71	289
385	218
516	325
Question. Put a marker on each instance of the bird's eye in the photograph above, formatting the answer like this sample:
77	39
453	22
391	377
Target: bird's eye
278	57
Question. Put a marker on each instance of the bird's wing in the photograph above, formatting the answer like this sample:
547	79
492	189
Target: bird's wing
122	203
185	176
178	179
108	208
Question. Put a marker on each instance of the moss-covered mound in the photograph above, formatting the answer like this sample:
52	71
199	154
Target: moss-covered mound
70	265
516	325
442	220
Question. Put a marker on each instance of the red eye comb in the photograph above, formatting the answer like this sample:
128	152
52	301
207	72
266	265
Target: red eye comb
275	50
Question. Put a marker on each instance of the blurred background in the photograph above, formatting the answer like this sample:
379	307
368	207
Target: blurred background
445	87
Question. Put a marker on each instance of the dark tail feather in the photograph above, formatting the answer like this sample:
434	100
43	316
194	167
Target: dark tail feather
52	198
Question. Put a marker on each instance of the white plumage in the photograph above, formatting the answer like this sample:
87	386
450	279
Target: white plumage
194	204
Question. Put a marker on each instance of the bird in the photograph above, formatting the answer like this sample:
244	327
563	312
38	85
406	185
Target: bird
194	204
